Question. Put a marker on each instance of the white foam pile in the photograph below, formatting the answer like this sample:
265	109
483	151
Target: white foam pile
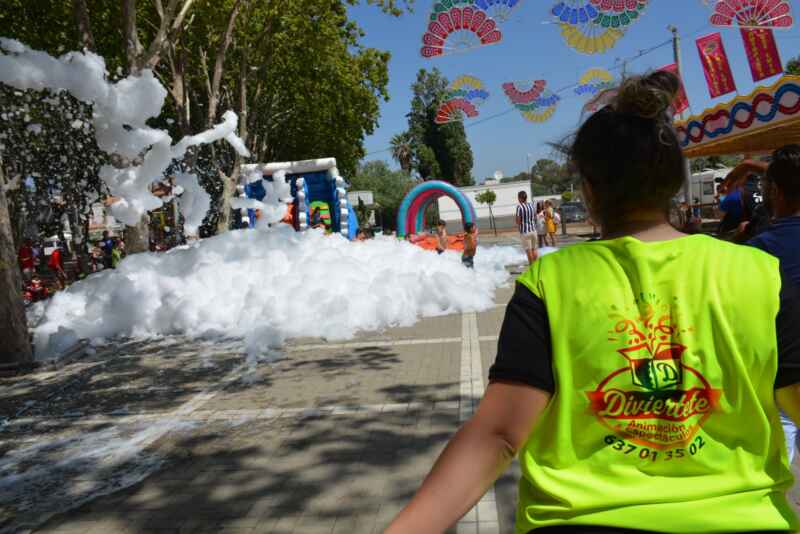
265	286
120	114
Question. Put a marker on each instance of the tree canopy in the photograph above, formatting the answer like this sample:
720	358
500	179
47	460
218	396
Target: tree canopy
439	151
793	66
388	187
297	74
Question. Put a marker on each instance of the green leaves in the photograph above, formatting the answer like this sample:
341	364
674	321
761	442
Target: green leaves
793	66
488	197
439	151
389	187
296	71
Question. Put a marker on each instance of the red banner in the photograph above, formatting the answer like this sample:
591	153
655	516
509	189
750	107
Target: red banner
681	103
762	53
715	65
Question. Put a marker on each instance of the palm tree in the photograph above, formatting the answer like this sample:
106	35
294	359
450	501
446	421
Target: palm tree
402	151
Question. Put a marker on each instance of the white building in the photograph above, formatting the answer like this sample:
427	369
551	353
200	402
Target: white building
504	208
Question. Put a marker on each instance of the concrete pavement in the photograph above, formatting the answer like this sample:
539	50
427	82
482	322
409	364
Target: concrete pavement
183	436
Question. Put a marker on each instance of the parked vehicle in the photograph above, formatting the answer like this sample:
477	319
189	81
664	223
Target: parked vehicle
573	212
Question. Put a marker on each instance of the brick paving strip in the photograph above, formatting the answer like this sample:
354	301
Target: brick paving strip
483	518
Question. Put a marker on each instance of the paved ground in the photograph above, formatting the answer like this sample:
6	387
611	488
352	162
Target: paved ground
183	436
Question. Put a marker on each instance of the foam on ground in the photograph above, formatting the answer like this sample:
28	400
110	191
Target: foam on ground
266	286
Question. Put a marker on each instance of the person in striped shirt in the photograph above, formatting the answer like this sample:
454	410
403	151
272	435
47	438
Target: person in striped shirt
526	222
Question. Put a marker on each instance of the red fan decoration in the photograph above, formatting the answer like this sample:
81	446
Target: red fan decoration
524	96
455	110
771	14
459	29
618	6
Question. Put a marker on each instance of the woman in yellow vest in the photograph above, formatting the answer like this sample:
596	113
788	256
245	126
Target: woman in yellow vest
636	376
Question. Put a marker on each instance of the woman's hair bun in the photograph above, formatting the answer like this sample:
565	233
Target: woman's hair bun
648	97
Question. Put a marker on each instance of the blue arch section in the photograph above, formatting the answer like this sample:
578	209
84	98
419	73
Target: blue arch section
420	197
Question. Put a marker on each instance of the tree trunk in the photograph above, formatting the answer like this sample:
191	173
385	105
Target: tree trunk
229	182
137	238
15	348
81	14
219	63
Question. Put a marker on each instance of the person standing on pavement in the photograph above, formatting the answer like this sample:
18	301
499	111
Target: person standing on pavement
526	223
781	184
551	222
541	234
56	264
26	260
107	246
116	255
637	378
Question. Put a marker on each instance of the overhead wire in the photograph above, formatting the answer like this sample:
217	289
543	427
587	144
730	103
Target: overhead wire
619	64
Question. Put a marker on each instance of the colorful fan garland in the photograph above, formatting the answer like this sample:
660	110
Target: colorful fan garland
500	10
618	13
469	88
770	14
464	96
532	99
593	81
455	110
594	26
457	30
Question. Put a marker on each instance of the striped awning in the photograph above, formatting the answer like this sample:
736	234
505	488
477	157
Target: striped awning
762	121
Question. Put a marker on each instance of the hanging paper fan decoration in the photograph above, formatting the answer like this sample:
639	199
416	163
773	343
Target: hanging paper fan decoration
773	14
455	110
618	13
464	96
593	81
469	88
524	92
443	6
532	99
541	109
458	30
577	19
500	10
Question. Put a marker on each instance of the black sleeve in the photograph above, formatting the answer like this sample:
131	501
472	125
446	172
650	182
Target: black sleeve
524	352
788	326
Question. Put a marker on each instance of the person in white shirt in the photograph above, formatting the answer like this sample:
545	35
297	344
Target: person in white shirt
526	222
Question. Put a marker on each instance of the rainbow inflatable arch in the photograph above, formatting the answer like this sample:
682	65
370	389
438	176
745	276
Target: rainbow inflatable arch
411	216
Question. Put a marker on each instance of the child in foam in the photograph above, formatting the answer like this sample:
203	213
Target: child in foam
470	245
441	237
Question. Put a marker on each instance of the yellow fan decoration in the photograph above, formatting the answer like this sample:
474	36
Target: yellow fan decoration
592	42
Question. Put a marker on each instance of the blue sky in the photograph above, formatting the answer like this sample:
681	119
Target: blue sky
532	49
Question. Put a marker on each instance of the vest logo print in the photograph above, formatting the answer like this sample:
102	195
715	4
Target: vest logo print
656	400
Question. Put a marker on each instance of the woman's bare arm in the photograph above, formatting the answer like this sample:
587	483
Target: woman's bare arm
475	457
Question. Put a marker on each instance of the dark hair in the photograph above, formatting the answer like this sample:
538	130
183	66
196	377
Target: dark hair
522	195
441	223
784	172
468	227
628	151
